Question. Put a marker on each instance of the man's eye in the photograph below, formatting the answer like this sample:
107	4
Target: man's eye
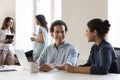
62	32
56	32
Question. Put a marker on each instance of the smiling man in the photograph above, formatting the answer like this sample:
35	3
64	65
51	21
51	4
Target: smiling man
60	53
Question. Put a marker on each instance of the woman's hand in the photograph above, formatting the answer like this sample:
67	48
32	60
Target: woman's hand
61	67
33	39
5	40
34	34
69	68
11	40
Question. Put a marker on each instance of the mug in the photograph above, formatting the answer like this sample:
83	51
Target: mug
34	68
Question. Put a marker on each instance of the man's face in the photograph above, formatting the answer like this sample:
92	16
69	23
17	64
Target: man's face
59	34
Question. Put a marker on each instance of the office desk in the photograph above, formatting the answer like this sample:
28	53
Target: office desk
53	75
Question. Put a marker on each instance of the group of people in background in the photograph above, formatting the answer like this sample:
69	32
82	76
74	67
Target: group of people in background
61	54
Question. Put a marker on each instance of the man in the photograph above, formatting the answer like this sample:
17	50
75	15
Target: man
60	53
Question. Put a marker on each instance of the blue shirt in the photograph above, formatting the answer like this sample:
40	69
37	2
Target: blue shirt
102	59
66	53
38	46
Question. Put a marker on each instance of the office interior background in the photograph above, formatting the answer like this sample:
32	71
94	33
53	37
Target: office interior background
76	14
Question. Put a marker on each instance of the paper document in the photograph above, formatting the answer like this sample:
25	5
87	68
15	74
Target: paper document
5	68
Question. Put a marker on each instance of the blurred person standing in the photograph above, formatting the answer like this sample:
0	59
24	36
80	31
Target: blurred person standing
40	39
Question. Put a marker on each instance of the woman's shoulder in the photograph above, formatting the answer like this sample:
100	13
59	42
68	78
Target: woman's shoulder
107	45
104	44
42	29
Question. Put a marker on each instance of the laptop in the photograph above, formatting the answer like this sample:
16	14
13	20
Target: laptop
22	59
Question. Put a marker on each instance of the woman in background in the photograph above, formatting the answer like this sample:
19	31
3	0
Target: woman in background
102	59
40	39
7	49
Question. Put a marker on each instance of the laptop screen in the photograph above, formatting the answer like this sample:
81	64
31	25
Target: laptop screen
22	59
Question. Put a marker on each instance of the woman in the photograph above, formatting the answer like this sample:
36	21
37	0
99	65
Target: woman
102	59
40	39
6	46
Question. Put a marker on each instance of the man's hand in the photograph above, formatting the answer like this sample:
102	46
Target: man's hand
47	67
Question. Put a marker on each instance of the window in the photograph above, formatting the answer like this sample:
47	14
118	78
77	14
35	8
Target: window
51	9
24	14
114	18
25	19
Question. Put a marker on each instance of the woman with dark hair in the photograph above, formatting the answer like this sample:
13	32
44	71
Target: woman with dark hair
40	39
102	59
6	46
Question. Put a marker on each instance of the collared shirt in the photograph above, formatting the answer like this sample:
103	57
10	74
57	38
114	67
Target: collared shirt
102	59
66	53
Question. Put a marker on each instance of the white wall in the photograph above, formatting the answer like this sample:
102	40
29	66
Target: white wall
76	13
114	18
7	8
23	13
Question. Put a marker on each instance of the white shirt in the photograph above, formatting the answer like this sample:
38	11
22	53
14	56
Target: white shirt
4	46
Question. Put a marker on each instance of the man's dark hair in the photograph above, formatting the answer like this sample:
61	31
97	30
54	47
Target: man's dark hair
58	22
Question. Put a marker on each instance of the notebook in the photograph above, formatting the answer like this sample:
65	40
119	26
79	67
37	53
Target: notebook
9	37
22	59
5	68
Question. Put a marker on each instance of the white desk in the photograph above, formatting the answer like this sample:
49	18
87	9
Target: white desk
53	75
